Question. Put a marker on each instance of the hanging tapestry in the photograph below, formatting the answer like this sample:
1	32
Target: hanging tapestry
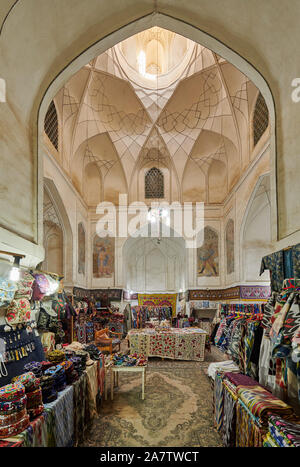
159	300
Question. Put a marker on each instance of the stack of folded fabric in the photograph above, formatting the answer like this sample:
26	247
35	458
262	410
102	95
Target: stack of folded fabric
77	363
227	365
282	433
261	403
35	404
58	373
129	360
34	367
85	358
93	351
13	414
254	407
33	392
71	373
49	394
56	356
231	382
46	365
79	351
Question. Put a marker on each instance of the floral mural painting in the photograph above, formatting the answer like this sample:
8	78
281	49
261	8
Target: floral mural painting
103	257
229	241
208	254
81	249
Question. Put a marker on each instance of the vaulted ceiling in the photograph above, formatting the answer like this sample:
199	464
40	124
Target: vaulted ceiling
156	99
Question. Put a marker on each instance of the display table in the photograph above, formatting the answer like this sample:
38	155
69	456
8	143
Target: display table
177	344
64	421
114	376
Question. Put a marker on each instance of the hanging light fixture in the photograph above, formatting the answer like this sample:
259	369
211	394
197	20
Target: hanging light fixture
14	274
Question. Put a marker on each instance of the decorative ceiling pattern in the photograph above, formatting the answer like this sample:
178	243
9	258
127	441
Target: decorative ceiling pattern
192	117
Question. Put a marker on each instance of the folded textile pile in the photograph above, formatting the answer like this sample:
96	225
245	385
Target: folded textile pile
77	363
71	373
34	367
227	365
46	365
49	393
231	383
283	433
79	351
35	404
240	380
129	360
269	442
93	351
33	392
56	357
13	414
261	403
58	373
29	381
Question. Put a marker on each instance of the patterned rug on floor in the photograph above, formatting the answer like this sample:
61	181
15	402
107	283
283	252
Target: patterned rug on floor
177	410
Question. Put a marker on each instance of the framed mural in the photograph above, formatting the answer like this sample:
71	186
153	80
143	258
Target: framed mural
229	243
208	254
103	257
81	249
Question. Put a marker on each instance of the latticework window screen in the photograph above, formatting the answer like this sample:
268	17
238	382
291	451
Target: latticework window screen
51	125
154	184
260	118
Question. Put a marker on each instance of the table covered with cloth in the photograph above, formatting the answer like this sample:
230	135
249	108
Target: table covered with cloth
62	412
177	344
64	421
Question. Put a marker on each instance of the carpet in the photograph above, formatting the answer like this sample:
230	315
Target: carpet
177	410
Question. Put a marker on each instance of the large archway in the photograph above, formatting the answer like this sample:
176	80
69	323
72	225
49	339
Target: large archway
192	33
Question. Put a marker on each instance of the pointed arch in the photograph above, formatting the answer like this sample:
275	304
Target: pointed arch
63	217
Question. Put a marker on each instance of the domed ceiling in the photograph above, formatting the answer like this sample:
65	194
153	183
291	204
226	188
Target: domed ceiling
156	99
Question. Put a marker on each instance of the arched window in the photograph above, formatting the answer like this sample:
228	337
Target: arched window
154	184
260	118
51	125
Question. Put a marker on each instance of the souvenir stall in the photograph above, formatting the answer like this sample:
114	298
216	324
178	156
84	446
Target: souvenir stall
49	390
255	402
143	316
95	311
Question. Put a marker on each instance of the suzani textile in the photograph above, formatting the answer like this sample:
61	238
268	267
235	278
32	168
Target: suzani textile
179	344
159	300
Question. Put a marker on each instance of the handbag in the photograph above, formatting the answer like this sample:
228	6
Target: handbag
46	321
7	291
24	286
58	306
40	286
18	312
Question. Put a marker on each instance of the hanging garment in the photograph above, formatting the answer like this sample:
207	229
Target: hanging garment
274	263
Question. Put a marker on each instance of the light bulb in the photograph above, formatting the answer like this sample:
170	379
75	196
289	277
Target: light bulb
14	274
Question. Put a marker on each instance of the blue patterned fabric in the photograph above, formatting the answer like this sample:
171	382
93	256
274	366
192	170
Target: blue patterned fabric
63	411
274	263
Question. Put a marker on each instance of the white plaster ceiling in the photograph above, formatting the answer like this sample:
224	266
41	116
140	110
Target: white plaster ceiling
193	117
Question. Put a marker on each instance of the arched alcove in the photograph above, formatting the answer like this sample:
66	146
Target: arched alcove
62	216
151	264
256	231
